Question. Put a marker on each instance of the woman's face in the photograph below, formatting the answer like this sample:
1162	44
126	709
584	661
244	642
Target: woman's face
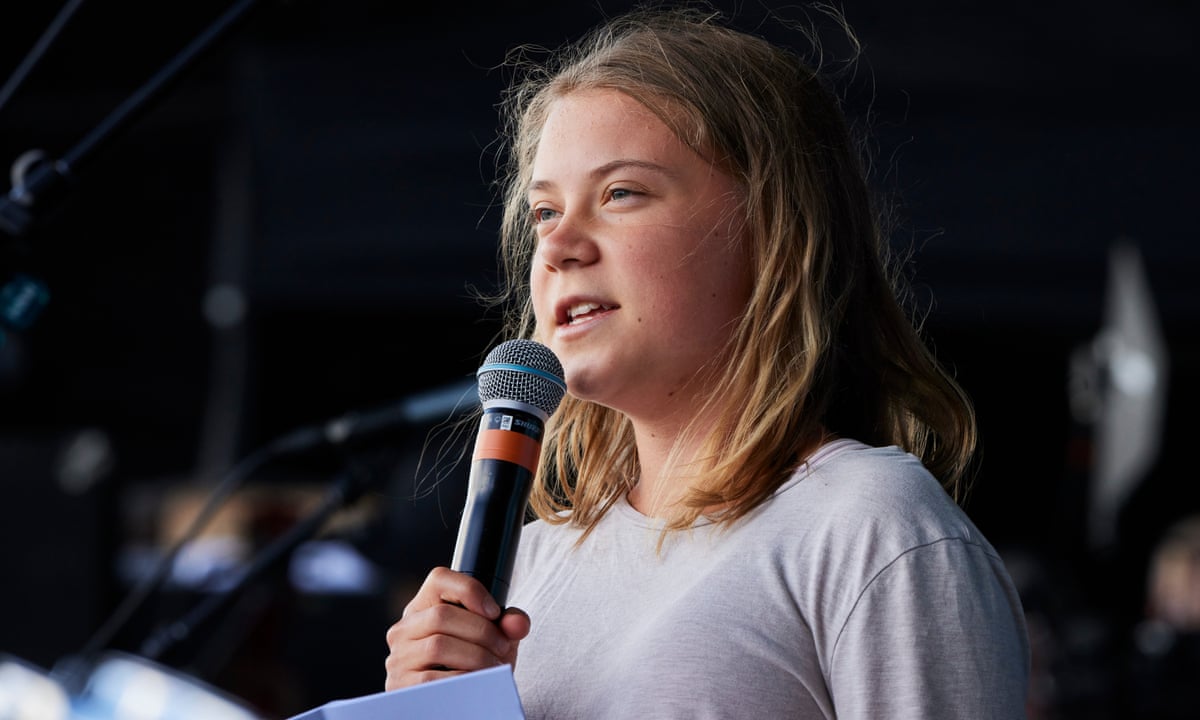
640	272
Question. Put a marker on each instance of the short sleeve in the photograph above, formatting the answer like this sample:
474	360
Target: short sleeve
938	633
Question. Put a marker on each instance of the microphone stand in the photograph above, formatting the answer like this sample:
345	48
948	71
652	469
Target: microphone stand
38	182
347	488
46	180
439	404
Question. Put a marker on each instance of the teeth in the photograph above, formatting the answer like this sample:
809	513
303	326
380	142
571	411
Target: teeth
575	311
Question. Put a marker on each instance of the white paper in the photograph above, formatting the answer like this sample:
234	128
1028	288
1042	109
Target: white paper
490	694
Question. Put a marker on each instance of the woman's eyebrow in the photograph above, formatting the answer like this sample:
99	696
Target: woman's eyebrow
608	167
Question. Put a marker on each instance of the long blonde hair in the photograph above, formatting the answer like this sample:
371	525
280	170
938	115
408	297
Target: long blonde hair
823	347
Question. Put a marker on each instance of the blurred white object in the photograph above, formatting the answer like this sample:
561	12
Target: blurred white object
28	693
1119	385
127	687
333	567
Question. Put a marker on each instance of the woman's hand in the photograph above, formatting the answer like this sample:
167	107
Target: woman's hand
452	626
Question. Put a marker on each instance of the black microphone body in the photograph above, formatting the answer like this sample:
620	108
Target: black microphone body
495	510
520	386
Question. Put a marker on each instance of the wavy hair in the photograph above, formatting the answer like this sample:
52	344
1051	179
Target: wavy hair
823	348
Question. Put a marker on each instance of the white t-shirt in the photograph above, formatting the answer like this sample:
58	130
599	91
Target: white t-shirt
858	590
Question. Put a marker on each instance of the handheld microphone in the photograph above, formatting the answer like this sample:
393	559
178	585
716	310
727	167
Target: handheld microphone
520	386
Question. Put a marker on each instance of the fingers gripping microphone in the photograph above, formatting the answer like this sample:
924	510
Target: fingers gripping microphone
520	386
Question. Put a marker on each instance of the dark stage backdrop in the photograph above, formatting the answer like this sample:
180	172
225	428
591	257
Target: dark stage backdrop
302	224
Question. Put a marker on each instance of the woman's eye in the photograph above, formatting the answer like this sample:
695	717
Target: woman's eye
621	193
542	214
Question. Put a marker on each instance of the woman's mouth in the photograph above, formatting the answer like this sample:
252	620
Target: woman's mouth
582	311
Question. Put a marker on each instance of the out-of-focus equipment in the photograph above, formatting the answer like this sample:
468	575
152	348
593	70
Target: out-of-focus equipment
39	182
29	693
118	687
1118	386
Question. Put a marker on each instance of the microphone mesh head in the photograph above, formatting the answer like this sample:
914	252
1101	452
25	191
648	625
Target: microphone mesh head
525	371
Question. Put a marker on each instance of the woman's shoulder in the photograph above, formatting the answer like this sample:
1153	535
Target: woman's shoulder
851	470
856	490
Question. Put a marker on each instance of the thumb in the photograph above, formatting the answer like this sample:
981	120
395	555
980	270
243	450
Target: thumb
515	624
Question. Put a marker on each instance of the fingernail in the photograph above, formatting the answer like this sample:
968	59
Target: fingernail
491	608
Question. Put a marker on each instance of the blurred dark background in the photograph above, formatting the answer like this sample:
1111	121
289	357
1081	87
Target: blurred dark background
296	227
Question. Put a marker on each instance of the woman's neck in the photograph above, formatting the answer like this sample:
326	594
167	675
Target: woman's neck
665	464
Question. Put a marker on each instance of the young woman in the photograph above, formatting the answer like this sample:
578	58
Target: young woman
740	507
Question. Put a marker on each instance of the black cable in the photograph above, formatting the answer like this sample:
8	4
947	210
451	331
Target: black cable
349	486
346	429
39	49
70	670
47	181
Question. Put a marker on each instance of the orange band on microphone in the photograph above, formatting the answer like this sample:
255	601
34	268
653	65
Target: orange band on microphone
507	445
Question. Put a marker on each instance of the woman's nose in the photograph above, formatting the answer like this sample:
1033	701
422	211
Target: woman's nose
569	243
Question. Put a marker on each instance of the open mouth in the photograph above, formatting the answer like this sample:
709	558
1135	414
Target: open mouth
580	312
